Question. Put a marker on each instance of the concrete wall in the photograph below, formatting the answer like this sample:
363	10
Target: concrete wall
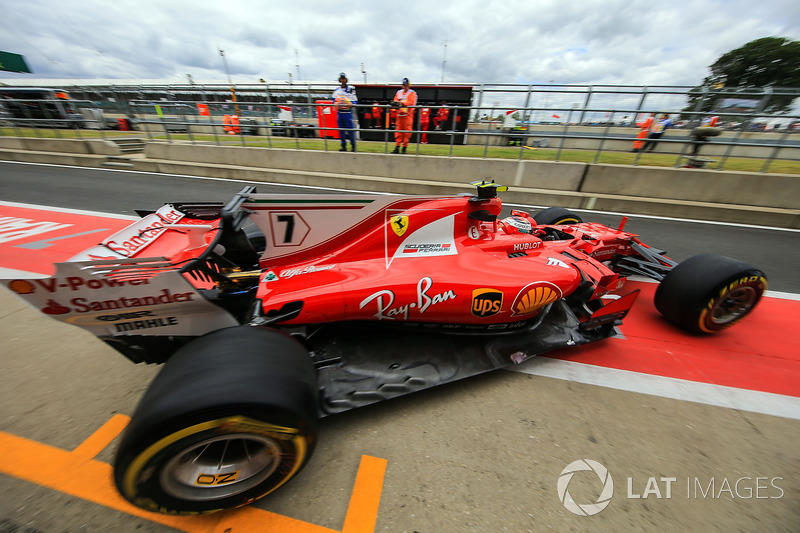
69	146
741	188
461	170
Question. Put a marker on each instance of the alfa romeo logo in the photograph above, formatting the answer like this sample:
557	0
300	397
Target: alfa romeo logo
585	509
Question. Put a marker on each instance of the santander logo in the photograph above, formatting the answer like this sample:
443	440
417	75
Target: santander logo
136	237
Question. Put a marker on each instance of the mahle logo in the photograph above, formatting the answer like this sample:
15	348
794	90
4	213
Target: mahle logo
585	509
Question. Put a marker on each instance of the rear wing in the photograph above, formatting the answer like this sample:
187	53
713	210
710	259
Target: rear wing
111	298
143	302
143	308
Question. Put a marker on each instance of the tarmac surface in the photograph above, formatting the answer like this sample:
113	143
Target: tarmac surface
485	454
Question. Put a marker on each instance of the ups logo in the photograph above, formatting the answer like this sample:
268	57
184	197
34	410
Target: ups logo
486	302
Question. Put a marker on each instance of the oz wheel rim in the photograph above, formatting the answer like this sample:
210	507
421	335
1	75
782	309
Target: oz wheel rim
220	467
733	305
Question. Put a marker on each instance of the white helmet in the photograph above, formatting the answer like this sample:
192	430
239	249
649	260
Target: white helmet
516	224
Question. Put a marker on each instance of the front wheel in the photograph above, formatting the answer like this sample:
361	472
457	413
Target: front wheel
230	418
708	293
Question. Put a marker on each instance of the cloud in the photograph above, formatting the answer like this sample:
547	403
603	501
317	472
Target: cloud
515	41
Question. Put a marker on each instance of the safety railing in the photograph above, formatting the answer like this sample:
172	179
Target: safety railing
586	123
560	140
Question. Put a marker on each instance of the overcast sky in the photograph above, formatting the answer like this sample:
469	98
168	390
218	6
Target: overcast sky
626	42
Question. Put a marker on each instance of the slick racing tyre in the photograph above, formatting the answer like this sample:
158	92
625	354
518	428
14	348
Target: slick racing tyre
707	293
555	216
230	418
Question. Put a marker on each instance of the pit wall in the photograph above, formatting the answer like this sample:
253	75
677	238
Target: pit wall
71	146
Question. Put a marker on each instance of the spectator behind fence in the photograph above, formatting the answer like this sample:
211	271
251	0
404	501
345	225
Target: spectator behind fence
643	132
707	128
344	98
657	129
404	100
424	123
441	116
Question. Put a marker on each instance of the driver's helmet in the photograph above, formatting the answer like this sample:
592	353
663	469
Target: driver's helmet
516	224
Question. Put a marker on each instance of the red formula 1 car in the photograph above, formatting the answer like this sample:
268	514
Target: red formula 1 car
330	302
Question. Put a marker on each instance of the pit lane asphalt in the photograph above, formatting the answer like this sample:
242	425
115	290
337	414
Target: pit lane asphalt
480	455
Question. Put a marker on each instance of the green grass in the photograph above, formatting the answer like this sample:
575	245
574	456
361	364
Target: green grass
499	152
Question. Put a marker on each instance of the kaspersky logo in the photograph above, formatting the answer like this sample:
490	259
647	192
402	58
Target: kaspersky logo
585	509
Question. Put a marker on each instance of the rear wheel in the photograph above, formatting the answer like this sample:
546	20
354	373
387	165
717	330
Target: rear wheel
230	418
555	216
708	293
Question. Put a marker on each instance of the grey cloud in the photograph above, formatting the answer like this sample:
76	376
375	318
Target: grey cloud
515	41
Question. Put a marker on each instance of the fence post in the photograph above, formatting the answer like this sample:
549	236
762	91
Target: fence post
386	113
774	153
453	129
526	120
641	103
418	126
146	127
49	117
563	137
480	102
602	141
488	134
586	104
767	91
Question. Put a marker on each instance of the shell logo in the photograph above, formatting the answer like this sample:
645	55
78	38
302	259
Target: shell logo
20	286
535	296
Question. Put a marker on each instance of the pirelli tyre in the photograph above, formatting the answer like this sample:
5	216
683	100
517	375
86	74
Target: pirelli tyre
555	216
230	418
707	293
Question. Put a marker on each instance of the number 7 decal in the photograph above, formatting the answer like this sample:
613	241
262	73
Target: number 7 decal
288	228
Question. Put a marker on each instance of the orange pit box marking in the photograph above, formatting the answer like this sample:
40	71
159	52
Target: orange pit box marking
79	474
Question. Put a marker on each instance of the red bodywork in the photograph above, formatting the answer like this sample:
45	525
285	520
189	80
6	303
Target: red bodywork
447	261
443	260
426	260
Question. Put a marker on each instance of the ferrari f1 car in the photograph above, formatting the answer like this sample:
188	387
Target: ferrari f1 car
275	310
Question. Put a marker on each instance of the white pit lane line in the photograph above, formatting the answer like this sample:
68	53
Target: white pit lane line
765	403
676	389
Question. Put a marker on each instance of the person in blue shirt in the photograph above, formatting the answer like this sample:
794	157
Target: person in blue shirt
344	98
657	129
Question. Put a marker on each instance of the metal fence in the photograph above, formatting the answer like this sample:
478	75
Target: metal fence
560	120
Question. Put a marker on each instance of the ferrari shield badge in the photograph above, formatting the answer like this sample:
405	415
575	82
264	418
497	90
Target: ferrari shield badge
399	224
